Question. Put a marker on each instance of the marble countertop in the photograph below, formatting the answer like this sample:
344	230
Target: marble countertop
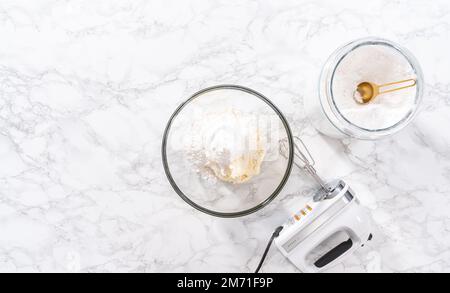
86	88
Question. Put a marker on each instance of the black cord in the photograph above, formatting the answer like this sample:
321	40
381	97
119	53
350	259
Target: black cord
274	235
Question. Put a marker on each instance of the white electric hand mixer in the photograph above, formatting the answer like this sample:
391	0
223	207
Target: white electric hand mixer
327	229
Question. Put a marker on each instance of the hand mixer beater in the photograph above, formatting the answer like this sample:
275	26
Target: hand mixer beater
328	228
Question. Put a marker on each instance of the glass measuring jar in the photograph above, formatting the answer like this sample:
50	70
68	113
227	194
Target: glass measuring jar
330	116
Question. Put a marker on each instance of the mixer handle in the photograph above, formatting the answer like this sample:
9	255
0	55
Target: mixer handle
334	253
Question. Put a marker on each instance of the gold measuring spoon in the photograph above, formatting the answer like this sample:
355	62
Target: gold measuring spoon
367	91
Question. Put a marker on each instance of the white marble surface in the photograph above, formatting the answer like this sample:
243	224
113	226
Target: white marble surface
86	88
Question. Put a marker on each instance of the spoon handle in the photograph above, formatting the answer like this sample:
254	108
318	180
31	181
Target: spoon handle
414	82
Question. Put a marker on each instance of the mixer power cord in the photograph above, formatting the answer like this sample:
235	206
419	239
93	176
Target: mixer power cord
275	234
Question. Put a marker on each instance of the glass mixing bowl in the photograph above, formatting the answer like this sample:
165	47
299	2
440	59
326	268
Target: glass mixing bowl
209	126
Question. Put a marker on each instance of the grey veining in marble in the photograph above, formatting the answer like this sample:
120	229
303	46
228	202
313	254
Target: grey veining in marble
86	88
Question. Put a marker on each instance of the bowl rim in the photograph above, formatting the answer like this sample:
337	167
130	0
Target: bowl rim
210	211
